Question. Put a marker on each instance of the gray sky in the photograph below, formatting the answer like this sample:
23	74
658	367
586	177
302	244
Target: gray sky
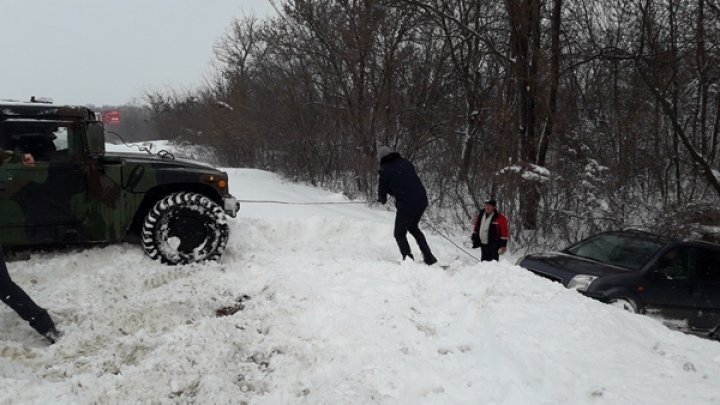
109	52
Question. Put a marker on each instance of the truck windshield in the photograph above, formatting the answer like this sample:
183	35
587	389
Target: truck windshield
619	250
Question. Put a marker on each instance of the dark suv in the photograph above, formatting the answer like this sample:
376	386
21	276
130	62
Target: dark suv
676	280
58	185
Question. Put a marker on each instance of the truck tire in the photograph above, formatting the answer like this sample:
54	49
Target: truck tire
184	228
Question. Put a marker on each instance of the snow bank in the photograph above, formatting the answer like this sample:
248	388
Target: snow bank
317	309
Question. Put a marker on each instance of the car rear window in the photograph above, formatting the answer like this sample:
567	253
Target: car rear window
618	250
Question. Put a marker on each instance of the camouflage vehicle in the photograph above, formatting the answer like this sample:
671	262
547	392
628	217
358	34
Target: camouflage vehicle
77	192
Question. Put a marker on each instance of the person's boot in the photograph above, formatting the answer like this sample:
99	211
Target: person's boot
430	260
409	256
53	335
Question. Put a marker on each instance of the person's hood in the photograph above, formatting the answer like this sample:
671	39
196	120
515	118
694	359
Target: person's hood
391	157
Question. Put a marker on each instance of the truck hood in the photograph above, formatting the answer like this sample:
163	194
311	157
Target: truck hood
132	157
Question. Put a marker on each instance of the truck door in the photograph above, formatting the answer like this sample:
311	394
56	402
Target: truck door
45	202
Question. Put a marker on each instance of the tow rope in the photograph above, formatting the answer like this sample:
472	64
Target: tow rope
301	203
449	240
438	232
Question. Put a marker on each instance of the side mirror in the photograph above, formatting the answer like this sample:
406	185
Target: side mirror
95	136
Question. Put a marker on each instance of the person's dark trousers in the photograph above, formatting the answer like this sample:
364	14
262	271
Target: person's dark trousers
14	296
408	220
489	252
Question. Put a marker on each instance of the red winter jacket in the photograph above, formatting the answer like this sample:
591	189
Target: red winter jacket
498	232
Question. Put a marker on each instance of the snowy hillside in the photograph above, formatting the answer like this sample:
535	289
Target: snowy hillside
310	304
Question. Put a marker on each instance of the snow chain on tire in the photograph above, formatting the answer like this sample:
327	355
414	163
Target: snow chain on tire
186	215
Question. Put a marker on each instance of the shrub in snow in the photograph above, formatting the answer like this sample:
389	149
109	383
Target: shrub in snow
695	220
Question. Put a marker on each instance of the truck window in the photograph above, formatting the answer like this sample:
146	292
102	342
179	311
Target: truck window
43	140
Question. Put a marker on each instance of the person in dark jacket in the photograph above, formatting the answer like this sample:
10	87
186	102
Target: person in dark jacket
490	232
14	296
397	177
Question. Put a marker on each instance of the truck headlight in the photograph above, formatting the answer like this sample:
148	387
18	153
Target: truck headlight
581	282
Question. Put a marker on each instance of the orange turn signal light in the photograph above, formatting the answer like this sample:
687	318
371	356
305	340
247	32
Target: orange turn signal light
218	181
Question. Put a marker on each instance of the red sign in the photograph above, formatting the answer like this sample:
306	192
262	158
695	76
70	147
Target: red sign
110	117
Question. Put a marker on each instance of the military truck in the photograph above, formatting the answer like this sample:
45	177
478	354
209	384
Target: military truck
59	186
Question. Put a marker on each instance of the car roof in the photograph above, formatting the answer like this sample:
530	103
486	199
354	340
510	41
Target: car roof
44	111
703	243
635	233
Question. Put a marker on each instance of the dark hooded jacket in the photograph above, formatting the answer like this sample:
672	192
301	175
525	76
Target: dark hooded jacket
398	178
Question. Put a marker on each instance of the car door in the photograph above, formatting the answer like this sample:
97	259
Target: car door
667	288
707	290
45	199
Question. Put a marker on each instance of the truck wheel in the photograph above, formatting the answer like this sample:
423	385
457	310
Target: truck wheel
183	228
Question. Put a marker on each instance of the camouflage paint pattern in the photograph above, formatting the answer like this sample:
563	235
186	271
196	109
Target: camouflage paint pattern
83	194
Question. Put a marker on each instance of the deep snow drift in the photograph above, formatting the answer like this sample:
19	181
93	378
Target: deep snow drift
316	308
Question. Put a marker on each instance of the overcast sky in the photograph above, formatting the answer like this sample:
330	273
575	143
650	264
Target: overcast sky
110	52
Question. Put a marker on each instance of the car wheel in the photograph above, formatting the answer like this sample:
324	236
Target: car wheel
625	303
183	228
715	335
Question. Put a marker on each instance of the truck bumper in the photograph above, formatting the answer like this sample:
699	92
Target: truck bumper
231	206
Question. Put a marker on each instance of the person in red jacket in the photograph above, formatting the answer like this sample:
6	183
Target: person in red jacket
490	232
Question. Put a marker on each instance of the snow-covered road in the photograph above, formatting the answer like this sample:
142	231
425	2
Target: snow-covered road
317	309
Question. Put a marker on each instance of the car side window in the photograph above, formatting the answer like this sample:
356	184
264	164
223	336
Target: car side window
674	264
43	141
708	265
